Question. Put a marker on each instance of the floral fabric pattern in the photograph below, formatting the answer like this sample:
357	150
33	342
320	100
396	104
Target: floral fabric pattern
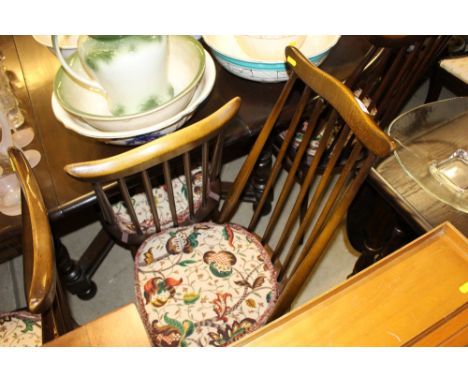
161	199
20	329
203	285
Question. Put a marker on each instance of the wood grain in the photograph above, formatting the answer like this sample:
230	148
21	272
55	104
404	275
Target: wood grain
388	304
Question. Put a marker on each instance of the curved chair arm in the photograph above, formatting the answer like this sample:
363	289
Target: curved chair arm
156	151
38	247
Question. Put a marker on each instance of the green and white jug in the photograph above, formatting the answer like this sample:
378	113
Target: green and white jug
130	71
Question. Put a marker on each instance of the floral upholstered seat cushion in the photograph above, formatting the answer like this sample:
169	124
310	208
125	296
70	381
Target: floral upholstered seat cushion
143	210
457	67
20	329
203	285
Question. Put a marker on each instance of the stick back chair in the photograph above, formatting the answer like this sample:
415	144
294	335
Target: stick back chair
384	80
47	315
131	208
350	140
197	283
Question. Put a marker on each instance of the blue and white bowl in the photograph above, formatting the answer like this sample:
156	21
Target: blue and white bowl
231	56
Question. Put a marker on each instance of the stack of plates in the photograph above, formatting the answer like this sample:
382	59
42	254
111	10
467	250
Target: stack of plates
147	133
231	56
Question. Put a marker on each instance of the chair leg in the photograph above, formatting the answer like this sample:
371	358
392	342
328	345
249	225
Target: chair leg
256	183
77	276
435	86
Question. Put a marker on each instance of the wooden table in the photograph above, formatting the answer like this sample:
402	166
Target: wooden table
392	207
121	327
418	296
33	68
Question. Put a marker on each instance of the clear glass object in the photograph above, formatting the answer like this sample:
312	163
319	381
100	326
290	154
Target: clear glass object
433	148
10	118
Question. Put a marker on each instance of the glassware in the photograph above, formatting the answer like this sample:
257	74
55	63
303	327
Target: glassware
10	193
10	106
433	148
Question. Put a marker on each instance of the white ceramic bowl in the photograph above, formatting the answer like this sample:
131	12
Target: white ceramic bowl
268	48
186	68
145	134
233	58
67	43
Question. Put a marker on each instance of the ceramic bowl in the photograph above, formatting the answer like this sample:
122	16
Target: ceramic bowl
145	134
186	68
233	58
67	43
268	48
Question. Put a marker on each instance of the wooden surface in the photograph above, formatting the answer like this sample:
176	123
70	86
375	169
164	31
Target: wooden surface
33	67
440	133
412	297
416	205
122	327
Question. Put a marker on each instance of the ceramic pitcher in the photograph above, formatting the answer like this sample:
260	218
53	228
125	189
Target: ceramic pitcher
130	71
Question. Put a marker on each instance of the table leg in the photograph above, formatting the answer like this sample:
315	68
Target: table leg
374	228
256	184
77	275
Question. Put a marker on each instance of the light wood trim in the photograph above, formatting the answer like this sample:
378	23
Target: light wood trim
343	100
121	327
387	304
157	151
38	246
450	331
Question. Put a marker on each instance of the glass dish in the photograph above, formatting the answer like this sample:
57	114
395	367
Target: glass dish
433	148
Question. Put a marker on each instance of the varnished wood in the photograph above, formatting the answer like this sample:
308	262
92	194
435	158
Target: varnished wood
150	198
38	258
145	158
33	67
155	152
412	297
350	141
121	327
42	286
389	304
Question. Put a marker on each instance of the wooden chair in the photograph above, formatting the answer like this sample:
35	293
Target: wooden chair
350	143
397	66
212	283
47	315
384	80
451	70
184	192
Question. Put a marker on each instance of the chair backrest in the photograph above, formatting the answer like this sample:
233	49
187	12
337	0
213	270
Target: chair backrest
157	163
42	287
392	70
349	139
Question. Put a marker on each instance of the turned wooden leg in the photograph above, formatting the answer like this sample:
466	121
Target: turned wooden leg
77	275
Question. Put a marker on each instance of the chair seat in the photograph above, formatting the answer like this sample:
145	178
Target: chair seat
20	329
143	210
203	285
457	67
